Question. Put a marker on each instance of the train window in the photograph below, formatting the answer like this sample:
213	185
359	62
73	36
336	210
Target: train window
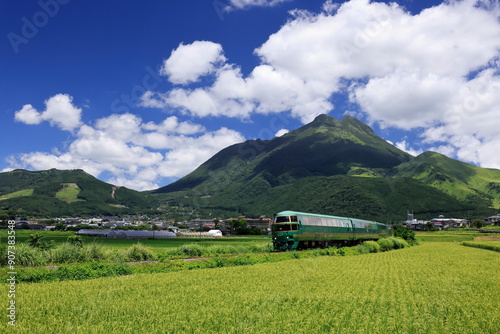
286	219
285	227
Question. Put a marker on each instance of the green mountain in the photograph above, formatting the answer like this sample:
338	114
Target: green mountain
328	166
52	193
332	167
453	177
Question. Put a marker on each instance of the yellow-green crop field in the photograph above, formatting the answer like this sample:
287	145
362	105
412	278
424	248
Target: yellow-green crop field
432	288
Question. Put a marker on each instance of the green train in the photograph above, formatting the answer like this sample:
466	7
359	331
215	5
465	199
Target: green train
300	230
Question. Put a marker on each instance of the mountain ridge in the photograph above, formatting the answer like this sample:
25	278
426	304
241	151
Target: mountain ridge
74	192
241	177
327	166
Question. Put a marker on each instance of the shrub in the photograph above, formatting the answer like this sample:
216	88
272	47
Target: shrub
139	252
75	240
396	242
385	244
35	241
191	250
27	255
363	249
404	243
66	253
346	251
405	233
95	252
373	246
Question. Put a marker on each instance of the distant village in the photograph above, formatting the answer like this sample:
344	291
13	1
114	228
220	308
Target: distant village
236	225
228	226
442	222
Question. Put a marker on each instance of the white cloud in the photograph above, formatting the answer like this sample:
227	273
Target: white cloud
245	4
59	111
434	70
386	99
136	154
189	62
281	132
28	115
437	71
405	146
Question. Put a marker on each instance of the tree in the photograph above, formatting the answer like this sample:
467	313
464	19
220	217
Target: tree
477	223
60	227
75	240
35	239
239	226
405	233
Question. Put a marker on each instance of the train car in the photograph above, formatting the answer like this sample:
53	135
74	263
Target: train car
300	230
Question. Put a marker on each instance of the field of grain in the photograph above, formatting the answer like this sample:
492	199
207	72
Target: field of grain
493	245
432	288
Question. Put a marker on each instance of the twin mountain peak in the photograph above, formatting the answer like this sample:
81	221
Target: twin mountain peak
328	166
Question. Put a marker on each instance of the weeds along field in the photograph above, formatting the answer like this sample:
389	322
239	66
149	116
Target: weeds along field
432	288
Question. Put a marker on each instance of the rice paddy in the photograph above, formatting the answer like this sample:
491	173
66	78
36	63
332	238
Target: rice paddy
436	287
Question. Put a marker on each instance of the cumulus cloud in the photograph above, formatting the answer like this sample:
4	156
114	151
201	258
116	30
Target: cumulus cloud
436	71
188	63
402	70
135	153
405	146
281	132
59	111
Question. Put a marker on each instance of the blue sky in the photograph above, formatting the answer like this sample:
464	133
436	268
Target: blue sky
141	93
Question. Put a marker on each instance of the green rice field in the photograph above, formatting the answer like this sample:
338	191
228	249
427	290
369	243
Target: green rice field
437	287
60	237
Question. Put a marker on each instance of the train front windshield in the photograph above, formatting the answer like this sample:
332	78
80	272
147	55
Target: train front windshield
285	227
286	219
285	223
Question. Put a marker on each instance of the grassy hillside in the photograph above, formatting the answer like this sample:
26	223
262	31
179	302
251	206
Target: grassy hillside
382	199
66	193
456	178
337	167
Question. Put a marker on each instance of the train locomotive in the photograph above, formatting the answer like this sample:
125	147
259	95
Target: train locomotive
300	230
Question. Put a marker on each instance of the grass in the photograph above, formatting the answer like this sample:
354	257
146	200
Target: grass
31	263
60	237
69	192
432	288
448	236
490	245
20	193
